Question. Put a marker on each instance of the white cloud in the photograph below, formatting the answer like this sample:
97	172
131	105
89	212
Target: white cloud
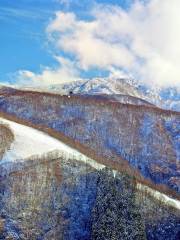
143	40
88	45
65	72
62	22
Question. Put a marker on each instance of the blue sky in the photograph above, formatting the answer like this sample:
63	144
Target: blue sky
23	41
55	41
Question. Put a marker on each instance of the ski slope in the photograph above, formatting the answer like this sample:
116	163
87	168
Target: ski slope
29	141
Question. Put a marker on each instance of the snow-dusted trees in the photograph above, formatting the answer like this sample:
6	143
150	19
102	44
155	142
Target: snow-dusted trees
116	214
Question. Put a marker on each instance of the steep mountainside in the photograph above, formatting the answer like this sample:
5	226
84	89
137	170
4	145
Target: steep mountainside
63	194
49	198
144	136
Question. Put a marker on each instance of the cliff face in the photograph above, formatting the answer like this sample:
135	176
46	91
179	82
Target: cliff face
58	198
145	136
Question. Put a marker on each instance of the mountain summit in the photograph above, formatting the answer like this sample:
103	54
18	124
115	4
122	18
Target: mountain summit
125	90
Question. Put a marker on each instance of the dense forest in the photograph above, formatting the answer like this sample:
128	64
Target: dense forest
50	197
144	139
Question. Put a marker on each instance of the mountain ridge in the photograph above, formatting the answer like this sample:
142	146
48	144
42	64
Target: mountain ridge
72	99
167	98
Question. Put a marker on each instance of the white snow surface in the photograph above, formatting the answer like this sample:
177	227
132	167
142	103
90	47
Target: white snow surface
158	195
29	141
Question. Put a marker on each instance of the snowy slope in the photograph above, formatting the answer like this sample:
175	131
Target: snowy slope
108	86
29	142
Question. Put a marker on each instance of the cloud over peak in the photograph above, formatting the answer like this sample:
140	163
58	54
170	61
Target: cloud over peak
142	41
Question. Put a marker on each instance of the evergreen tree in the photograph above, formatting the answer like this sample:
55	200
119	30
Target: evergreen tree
115	214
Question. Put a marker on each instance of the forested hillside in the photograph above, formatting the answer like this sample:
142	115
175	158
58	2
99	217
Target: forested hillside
144	136
50	197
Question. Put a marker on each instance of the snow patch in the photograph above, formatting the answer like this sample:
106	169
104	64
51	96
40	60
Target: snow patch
29	141
160	196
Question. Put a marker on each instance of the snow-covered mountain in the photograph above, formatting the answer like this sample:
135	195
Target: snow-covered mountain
29	142
171	98
94	86
54	186
168	98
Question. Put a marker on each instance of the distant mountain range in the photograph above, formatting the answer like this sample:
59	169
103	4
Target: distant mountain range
168	98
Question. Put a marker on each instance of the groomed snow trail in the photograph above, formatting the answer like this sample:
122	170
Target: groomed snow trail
29	141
